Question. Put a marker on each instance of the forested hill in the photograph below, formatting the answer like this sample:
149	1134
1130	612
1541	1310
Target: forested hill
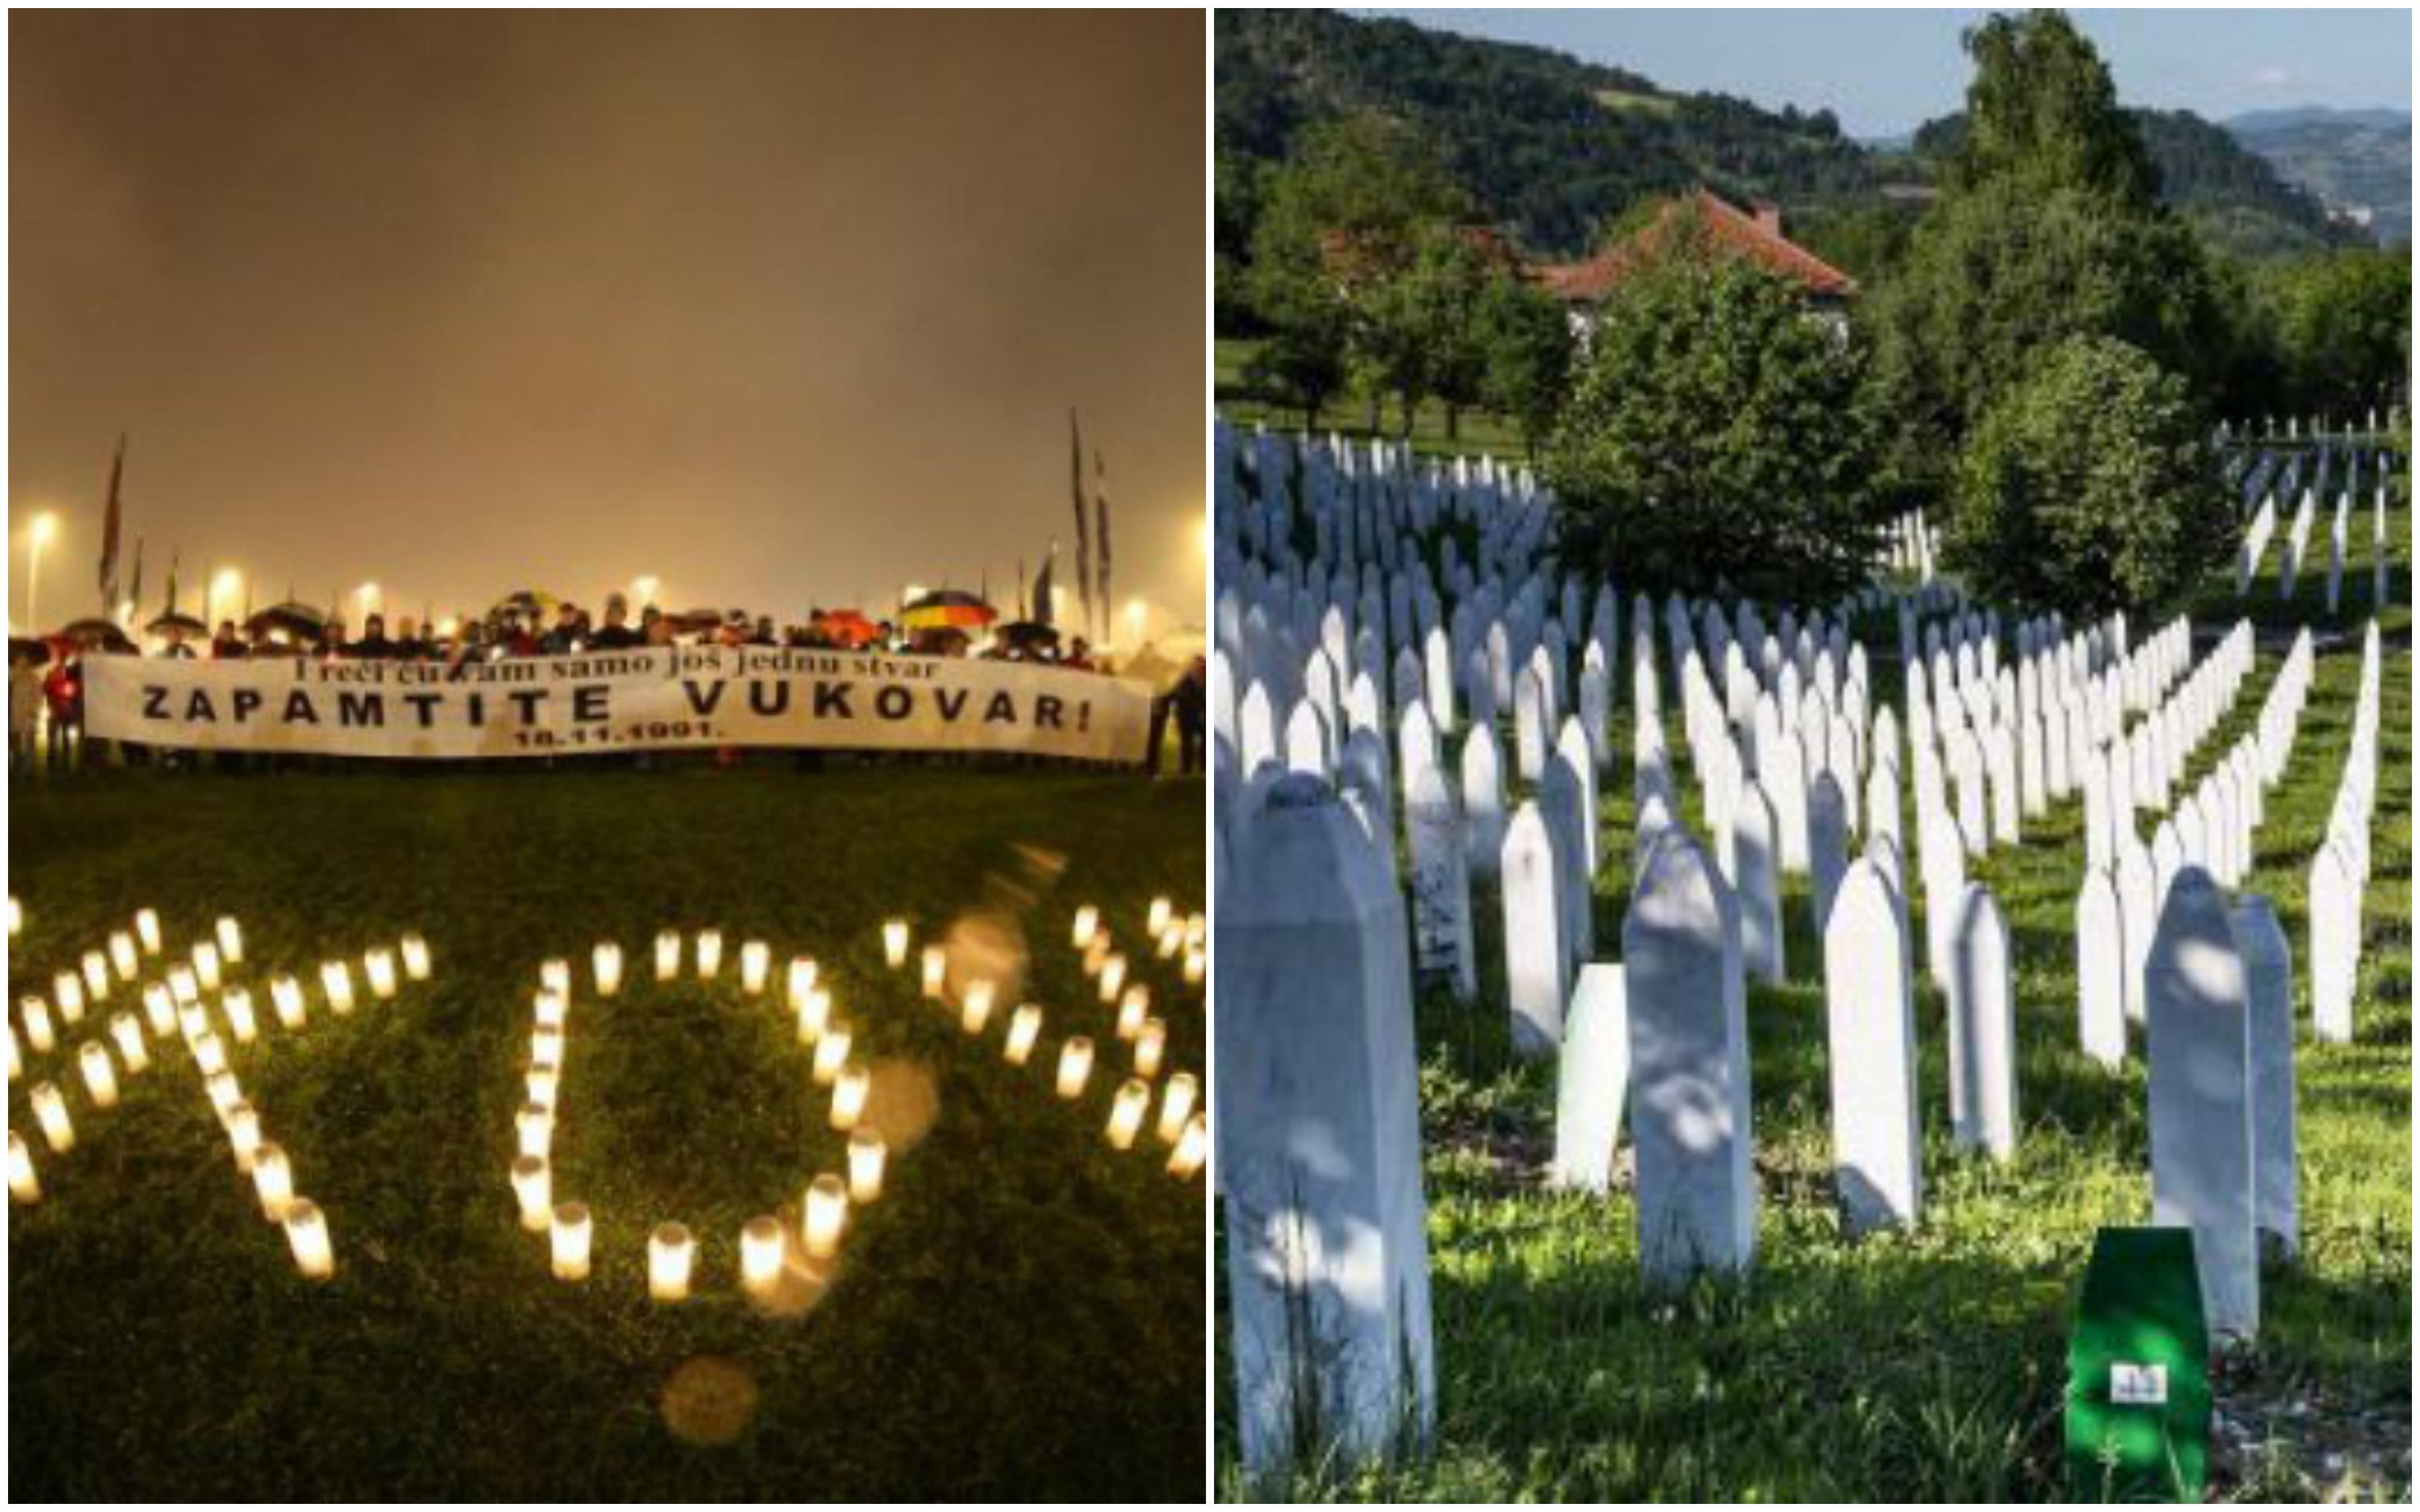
2236	196
1553	147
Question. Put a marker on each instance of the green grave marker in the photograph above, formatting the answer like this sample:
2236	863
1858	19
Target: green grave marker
2138	1372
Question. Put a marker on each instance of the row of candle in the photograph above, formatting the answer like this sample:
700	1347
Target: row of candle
570	1226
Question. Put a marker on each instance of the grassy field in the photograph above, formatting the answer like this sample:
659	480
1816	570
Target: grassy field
1480	431
1925	1366
1018	1318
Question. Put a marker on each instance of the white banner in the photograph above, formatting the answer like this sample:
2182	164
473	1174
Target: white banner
660	699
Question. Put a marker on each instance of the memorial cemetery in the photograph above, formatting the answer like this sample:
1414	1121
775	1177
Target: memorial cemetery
1689	1044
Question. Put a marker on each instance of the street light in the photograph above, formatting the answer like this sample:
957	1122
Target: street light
37	537
1136	613
225	584
642	590
368	596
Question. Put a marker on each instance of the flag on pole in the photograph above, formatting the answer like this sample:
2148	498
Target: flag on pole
1083	526
134	594
109	532
1107	602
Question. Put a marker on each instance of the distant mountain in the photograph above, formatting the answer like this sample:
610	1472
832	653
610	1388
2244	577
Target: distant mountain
1552	147
2358	162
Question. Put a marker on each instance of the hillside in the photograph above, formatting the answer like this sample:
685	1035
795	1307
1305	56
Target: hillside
2358	161
1553	147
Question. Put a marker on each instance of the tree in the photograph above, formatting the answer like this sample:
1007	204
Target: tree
2044	111
1529	354
1715	440
2089	486
2343	329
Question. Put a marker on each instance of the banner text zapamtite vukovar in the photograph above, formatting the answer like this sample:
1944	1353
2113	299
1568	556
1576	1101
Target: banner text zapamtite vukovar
657	699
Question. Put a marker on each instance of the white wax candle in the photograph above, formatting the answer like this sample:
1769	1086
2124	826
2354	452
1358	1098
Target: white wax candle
24	1185
51	1112
1075	1067
306	1231
286	997
867	1156
127	1030
1088	923
147	928
668	954
235	1004
1192	1149
416	958
1024	1028
573	1231
895	942
1176	1106
380	966
534	1189
1126	1112
974	1009
755	966
100	1073
936	969
832	1054
336	981
826	1213
672	1254
272	1181
206	966
607	962
230	935
709	954
764	1250
849	1092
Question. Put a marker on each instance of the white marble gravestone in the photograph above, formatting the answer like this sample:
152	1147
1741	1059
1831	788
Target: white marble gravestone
2199	1052
1752	868
1440	885
1827	845
1595	1078
2269	997
1877	1139
1982	1028
2101	970
1319	1139
1537	963
1689	1118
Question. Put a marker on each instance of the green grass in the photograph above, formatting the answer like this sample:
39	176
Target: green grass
1019	1317
1480	430
1925	1366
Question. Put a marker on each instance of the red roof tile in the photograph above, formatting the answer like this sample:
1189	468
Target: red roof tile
1732	230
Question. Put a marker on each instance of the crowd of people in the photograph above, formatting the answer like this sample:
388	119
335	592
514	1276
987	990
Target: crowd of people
46	676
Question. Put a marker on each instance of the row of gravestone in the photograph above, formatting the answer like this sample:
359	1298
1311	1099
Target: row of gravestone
2292	558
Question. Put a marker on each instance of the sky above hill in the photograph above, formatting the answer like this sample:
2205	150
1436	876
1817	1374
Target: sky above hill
1886	72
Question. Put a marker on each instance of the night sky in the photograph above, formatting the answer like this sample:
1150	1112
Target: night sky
782	309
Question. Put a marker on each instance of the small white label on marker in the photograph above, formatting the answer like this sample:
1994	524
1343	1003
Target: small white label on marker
2139	1385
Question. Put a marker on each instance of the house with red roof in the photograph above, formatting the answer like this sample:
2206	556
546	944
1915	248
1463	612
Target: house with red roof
1717	226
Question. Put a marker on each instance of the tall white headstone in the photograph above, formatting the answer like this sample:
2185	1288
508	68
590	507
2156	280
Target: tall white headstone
1594	1078
1982	1028
1537	974
2269	996
2199	1052
1877	1139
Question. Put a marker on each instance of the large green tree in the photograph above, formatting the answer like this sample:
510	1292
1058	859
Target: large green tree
2343	329
2089	486
1716	439
1530	350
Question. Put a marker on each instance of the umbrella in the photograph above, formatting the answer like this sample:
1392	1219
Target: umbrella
175	620
1027	634
97	634
298	621
847	627
526	603
948	608
941	640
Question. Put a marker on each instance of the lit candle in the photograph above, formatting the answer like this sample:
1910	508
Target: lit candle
1113	977
244	1133
306	1231
1172	940
147	928
122	955
16	1061
802	979
51	1112
832	1054
544	1083
848	1097
230	935
380	966
534	1188
1197	967
668	953
1132	1010
709	954
535	1127
553	1009
607	960
814	1016
193	1022
1097	953
937	968
66	990
827	1213
672	1253
974	1009
337	979
37	1015
161	1009
554	975
128	1032
416	958
755	966
546	1049
1161	912
224	1093
895	942
1192	1149
1024	1028
286	997
1176	1106
96	975
1150	1047
272	1181
24	1185
16	917
573	1231
1075	1067
210	1053
764	1249
206	966
1127	1114
183	987
100	1073
867	1155
1088	923
237	1005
